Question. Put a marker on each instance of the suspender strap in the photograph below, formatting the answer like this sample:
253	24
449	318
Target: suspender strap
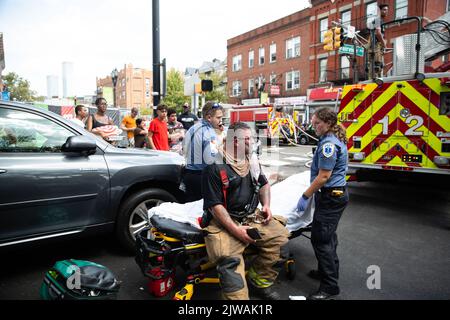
225	184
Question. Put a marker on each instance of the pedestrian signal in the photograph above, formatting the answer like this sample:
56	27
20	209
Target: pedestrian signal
338	37
328	40
207	85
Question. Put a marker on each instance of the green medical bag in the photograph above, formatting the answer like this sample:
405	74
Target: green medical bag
79	280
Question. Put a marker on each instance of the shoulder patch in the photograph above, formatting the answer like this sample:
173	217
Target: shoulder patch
328	149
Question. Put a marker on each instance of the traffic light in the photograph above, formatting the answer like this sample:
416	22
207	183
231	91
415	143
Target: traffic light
328	40
338	37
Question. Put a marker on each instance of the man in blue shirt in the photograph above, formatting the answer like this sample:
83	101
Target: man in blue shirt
200	149
328	185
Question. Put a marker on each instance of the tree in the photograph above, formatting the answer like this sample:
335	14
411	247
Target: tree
18	87
219	93
175	90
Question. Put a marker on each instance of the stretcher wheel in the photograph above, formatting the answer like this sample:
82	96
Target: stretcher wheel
291	271
185	293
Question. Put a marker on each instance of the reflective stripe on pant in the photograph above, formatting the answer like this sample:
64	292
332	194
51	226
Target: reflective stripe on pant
227	252
324	238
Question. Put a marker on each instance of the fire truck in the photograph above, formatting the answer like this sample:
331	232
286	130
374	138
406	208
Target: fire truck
270	122
402	122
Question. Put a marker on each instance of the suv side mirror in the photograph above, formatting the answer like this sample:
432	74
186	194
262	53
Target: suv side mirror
80	144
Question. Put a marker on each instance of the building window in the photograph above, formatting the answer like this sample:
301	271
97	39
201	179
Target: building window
147	94
323	70
123	82
371	12
237	88
293	48
251	87
323	28
346	17
273	52
345	67
292	80
251	59
147	83
237	63
262	54
448	5
273	79
401	9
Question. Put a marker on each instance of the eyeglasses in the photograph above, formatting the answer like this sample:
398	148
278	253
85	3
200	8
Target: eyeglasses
215	106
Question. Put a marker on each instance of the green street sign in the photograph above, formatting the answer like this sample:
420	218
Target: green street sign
349	49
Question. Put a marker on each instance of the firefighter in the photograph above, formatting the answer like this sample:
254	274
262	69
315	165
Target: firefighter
377	44
233	222
328	186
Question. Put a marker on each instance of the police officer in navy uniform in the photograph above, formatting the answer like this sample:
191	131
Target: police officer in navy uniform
328	185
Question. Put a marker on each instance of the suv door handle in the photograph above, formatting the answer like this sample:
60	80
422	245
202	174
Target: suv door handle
2	171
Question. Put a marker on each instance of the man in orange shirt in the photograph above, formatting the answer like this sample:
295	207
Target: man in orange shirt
158	137
129	124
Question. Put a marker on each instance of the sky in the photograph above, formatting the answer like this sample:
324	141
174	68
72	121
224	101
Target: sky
100	35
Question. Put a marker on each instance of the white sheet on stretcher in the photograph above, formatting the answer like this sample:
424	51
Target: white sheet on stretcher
284	197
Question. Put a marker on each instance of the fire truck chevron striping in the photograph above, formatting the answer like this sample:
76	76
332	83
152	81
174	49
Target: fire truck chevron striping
398	124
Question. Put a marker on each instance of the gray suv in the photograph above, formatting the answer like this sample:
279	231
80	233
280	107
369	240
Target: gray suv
57	179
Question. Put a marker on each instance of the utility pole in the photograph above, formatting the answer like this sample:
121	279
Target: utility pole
156	55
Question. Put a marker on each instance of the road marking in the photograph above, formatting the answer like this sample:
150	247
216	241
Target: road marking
276	163
297	159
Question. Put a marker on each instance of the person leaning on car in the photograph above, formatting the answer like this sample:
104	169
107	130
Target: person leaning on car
99	119
81	113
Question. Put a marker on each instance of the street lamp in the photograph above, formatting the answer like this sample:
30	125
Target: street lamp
114	76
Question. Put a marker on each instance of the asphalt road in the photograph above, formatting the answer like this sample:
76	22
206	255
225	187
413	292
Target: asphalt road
401	228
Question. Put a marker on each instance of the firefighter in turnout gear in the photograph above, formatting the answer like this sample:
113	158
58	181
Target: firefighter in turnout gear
234	222
328	185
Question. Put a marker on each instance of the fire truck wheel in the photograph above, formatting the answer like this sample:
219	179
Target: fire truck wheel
303	140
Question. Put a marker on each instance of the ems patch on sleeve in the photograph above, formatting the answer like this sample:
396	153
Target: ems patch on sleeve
328	149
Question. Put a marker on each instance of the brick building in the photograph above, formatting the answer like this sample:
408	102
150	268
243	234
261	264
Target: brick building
275	54
296	41
133	89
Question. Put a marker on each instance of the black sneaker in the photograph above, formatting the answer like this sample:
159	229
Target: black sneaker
264	293
315	274
321	295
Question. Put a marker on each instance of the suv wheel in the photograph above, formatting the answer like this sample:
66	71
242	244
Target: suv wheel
132	217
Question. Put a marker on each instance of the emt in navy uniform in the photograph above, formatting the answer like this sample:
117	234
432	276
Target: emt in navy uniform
328	185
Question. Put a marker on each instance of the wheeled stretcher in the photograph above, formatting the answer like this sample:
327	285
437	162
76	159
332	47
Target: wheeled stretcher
177	242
